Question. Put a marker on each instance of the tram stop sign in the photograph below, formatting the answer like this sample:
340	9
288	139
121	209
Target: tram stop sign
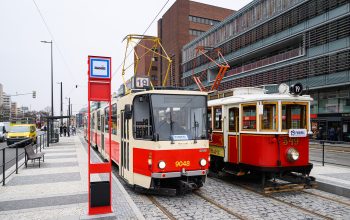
296	89
99	90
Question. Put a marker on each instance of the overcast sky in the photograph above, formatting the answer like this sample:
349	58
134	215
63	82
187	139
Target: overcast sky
80	28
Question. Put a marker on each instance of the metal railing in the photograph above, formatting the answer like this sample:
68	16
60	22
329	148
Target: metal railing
331	147
41	144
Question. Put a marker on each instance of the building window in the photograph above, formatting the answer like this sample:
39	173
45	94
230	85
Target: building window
195	32
154	68
202	20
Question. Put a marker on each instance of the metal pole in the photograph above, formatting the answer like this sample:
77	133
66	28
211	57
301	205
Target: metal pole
68	115
52	112
61	105
16	159
322	153
3	166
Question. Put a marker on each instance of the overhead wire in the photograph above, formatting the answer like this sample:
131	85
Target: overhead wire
121	64
54	40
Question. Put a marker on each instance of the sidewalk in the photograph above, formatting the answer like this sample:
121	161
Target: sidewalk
333	179
58	190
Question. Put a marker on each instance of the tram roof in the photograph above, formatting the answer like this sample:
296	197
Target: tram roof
167	92
246	98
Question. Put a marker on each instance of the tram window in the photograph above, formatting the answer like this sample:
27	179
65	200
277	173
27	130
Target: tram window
232	119
269	117
210	125
114	119
293	116
106	118
249	117
98	121
142	127
92	126
217	118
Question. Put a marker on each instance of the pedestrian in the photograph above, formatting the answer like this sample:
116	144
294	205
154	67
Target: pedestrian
332	134
68	130
61	130
338	134
65	130
74	132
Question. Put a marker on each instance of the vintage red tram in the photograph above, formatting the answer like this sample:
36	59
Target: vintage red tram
254	132
159	138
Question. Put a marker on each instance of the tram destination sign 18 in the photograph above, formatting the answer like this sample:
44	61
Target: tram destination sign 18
100	67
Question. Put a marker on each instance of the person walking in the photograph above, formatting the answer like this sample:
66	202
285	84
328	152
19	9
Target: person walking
61	130
65	130
68	130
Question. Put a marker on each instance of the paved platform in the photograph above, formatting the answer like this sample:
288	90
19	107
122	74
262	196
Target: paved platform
58	189
333	179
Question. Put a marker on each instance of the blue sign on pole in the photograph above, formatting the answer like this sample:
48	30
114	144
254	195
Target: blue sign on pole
100	68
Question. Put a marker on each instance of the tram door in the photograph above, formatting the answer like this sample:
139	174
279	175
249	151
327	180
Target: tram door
124	152
231	137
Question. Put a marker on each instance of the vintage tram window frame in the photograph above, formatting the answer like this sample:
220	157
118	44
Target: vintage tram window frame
256	117
261	117
210	122
98	117
214	118
307	117
236	123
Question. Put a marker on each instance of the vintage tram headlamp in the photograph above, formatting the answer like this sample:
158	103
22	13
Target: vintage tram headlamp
292	154
161	164
203	162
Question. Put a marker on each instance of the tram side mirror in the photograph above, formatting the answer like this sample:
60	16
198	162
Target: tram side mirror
128	111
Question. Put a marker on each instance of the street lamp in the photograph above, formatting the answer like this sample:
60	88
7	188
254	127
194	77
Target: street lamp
50	134
50	42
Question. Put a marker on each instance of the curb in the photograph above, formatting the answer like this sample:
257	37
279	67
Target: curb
334	189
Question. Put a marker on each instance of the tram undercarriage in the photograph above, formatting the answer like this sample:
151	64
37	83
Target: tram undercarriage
177	186
272	179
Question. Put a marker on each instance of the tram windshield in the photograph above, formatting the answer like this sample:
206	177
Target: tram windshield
179	117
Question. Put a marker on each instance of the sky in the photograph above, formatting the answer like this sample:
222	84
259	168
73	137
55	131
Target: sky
78	28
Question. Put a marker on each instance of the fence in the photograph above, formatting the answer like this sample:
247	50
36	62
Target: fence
41	144
331	152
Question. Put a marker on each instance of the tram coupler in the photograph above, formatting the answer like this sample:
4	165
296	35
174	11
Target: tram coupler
185	187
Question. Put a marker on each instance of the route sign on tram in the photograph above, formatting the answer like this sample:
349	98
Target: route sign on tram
99	90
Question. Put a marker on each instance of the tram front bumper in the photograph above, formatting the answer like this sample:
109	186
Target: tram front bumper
166	175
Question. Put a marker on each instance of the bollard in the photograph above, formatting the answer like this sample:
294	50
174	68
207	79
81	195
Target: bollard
16	158
3	166
322	153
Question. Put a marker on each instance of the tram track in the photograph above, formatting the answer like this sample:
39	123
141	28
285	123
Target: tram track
274	197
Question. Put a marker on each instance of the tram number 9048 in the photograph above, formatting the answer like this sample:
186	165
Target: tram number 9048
182	163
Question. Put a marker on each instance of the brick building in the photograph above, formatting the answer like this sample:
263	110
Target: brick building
286	41
184	21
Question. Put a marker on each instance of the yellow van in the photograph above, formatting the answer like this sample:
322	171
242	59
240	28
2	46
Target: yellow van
20	132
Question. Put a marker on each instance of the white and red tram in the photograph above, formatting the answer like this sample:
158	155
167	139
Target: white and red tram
159	138
254	132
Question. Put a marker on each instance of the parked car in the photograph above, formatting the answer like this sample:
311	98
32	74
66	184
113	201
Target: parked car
20	132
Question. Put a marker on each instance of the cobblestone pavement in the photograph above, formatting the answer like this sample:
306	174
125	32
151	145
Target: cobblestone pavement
316	204
249	204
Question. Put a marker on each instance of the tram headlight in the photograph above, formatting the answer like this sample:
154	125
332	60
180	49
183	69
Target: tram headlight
161	164
203	162
293	154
